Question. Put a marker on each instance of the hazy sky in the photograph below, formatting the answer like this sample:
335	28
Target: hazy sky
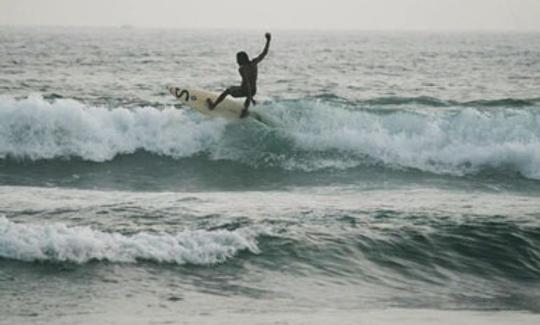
283	14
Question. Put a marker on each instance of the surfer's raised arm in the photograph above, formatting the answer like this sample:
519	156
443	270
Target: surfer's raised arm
265	51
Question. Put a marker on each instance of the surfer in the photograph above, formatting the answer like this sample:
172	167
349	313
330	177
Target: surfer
248	72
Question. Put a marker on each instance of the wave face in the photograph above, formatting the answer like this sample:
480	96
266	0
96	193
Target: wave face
310	135
59	243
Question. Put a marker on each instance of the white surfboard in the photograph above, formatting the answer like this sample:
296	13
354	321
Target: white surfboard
228	108
197	100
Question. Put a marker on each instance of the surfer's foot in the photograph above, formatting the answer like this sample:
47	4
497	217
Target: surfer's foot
244	113
210	104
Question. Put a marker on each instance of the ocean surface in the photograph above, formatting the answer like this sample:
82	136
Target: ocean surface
399	182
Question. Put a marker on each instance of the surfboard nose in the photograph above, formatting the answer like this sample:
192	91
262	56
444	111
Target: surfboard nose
171	89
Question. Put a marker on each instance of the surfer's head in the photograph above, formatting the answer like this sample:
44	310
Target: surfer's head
242	58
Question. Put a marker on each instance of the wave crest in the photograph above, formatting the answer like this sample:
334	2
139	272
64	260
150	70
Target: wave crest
435	102
59	243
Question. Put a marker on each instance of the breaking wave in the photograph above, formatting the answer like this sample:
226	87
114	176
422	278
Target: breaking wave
60	243
309	135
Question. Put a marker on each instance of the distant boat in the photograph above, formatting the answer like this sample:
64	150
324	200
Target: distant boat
127	26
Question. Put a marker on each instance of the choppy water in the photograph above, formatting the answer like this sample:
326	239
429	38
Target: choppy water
400	179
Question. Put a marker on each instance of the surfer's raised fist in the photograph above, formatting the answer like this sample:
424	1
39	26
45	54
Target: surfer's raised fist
268	36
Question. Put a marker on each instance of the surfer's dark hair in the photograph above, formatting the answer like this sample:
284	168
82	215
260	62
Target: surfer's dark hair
242	58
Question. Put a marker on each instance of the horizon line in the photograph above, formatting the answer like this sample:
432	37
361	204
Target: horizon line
286	29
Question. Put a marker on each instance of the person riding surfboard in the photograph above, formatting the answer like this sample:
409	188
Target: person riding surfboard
248	71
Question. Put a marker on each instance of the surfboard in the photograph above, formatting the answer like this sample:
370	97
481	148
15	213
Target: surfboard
228	108
197	100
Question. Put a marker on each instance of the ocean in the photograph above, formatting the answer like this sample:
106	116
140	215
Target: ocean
399	182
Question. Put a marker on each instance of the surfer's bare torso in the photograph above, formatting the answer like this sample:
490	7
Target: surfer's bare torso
249	77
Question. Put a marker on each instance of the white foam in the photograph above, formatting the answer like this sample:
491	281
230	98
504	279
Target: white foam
442	141
33	128
60	243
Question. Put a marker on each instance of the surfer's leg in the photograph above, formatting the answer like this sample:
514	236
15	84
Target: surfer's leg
246	106
212	105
